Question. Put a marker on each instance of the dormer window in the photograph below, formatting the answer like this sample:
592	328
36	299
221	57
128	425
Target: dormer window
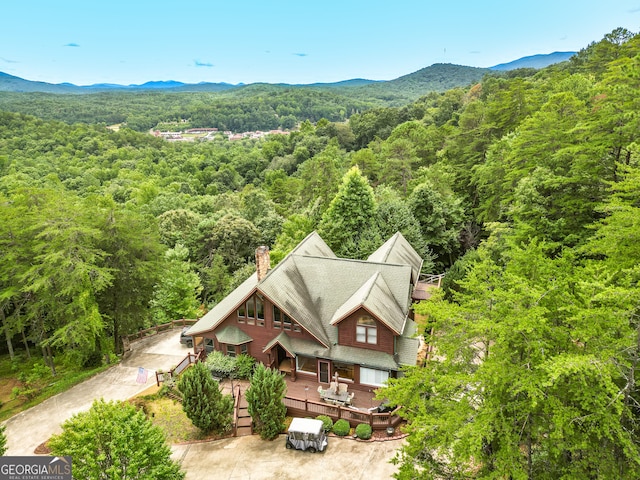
366	330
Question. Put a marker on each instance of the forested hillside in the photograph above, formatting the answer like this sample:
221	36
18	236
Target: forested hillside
524	188
236	108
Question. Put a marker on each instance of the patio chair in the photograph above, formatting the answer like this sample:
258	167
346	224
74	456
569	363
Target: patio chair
333	387
350	398
342	388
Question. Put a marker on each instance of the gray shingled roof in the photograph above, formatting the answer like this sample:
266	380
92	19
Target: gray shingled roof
317	289
232	335
312	289
399	251
339	353
313	245
374	295
285	342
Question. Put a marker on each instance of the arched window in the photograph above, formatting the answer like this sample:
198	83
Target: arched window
366	330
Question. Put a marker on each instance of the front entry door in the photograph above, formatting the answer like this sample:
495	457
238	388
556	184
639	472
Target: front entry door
324	371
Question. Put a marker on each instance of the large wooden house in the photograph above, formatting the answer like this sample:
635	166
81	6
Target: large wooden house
318	317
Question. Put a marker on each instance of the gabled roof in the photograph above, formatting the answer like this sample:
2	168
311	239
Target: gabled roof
313	245
284	341
399	251
312	289
317	290
376	297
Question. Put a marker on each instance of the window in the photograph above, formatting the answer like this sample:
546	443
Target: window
252	312
283	321
259	312
370	376
345	370
244	349
366	330
277	318
306	364
231	350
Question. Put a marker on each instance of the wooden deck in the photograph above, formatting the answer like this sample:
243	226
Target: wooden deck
363	399
303	400
308	390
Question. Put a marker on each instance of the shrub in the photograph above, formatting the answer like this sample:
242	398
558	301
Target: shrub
244	366
169	386
341	428
327	423
363	431
221	366
93	359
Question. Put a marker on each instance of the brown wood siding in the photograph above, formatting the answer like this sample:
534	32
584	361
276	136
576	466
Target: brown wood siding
347	334
261	335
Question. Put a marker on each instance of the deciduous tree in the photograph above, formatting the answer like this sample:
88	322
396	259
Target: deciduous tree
115	441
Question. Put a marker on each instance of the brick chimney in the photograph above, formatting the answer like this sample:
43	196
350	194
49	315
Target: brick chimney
263	261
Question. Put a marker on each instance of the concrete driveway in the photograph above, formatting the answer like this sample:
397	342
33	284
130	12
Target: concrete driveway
256	459
30	428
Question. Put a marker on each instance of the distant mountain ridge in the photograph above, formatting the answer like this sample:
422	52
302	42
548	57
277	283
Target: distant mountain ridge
534	61
437	77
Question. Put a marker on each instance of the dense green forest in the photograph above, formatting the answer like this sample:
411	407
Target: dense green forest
524	188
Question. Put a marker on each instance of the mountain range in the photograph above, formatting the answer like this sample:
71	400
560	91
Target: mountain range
439	76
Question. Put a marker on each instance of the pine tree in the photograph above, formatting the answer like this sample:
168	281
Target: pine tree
202	400
346	224
265	397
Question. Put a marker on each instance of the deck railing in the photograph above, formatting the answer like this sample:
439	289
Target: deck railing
310	408
148	332
178	369
236	393
433	279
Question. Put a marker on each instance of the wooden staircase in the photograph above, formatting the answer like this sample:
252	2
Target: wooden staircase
242	419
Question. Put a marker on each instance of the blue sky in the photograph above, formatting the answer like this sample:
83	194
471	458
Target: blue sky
134	41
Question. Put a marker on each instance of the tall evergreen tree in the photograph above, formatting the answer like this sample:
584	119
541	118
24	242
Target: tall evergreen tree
202	400
528	378
176	296
350	217
265	397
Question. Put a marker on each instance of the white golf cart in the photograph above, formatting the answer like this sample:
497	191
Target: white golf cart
306	434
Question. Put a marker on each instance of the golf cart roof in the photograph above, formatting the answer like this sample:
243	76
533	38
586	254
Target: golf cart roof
306	425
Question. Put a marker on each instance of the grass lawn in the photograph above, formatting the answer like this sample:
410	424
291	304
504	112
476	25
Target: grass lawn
167	414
